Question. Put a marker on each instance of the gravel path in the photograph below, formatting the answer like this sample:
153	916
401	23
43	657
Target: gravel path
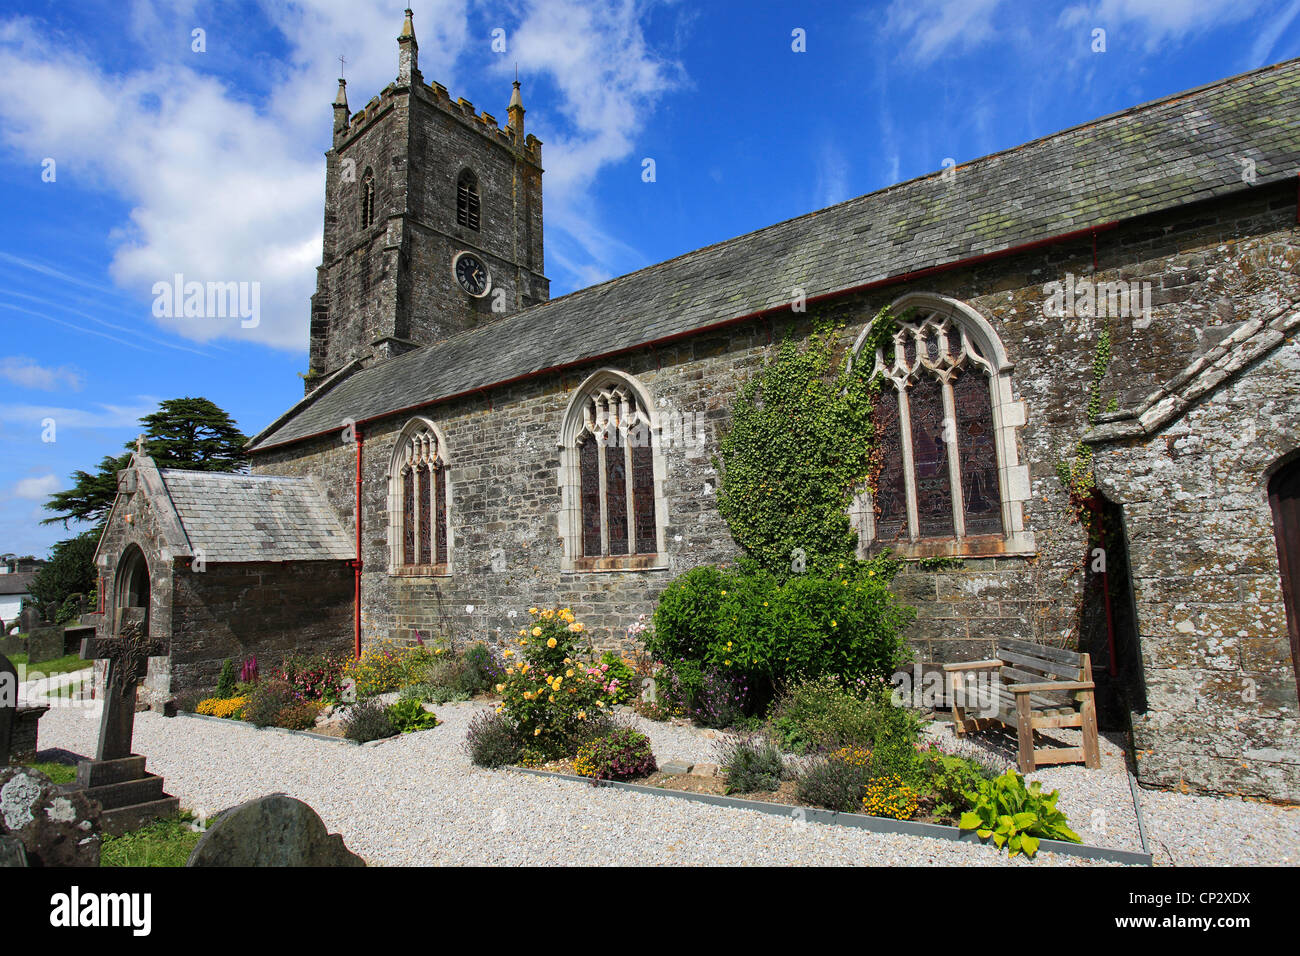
417	800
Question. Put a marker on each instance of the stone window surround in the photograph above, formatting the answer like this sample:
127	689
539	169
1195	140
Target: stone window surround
1008	415
396	462
570	516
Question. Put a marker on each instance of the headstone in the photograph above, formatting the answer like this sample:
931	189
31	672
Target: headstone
55	827
116	778
8	706
275	830
44	643
29	618
12	852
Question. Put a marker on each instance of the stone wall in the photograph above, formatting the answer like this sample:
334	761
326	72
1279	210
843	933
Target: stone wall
268	610
1223	710
1210	266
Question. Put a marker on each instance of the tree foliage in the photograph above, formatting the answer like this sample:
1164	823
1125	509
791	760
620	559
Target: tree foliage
71	570
192	434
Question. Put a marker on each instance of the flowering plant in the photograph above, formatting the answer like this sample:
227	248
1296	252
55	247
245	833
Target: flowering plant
231	708
550	689
621	755
384	666
888	796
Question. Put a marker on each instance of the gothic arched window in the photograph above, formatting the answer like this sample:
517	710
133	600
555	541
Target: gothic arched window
419	495
367	199
467	208
613	513
948	481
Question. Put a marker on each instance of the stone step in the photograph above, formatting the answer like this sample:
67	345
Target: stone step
121	820
110	796
96	773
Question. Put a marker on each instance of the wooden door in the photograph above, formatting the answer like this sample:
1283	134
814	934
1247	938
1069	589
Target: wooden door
1284	495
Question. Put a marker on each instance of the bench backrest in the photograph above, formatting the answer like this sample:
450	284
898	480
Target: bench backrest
1026	663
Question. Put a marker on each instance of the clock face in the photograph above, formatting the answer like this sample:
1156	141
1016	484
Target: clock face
472	274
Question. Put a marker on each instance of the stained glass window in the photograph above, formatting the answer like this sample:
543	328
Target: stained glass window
981	498
936	368
423	475
589	467
440	514
408	516
643	498
891	492
616	497
930	457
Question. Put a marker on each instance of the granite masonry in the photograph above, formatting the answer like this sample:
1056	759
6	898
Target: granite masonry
1143	219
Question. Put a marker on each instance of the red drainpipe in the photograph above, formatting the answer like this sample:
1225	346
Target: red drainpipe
356	564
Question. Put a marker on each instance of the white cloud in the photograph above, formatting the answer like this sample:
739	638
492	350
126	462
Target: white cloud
1159	21
28	373
928	28
37	489
226	187
103	416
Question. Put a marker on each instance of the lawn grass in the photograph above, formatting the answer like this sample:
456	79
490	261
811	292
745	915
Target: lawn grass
57	772
60	665
162	843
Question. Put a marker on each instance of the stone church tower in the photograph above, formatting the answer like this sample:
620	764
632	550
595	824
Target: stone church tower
433	221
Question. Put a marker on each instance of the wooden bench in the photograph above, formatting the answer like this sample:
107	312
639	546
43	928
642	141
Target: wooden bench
1031	687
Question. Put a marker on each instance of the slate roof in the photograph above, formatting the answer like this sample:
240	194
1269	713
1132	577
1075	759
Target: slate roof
1166	153
19	582
256	518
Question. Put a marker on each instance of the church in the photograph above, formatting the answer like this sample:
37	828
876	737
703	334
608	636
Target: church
1118	300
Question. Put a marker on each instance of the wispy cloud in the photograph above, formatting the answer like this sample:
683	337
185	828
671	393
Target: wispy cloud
101	416
28	373
1157	22
929	28
38	488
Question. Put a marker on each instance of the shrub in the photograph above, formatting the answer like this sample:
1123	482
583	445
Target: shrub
368	720
266	702
889	796
385	666
842	623
298	715
483	669
230	708
551	692
821	715
226	683
751	763
620	678
621	755
720	700
492	740
836	781
949	778
317	677
1014	815
409	716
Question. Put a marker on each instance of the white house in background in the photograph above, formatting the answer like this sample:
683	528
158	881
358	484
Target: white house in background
15	587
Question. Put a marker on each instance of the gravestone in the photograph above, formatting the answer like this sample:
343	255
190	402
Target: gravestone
29	618
55	827
130	796
44	643
275	830
8	706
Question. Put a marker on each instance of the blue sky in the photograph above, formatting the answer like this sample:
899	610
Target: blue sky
210	164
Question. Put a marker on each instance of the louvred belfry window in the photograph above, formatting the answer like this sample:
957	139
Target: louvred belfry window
616	480
937	474
467	205
423	476
367	199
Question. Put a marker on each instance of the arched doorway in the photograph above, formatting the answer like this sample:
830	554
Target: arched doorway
1284	496
133	582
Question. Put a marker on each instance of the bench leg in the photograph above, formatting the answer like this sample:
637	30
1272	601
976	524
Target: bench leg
958	712
1091	749
1025	732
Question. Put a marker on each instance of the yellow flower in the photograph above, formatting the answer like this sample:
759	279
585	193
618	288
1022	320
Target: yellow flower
537	632
438	651
569	672
551	643
600	703
532	610
833	624
537	731
576	628
558	681
582	715
500	688
508	653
